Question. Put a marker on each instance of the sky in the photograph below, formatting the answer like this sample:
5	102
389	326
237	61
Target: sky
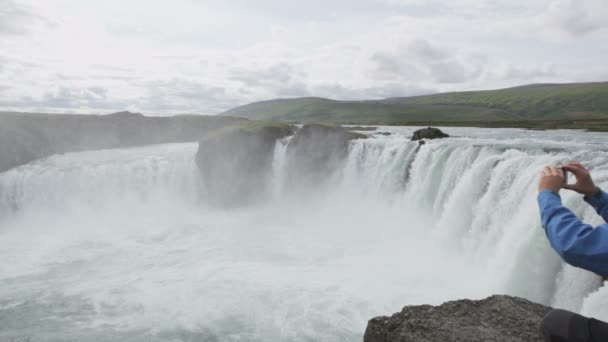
199	56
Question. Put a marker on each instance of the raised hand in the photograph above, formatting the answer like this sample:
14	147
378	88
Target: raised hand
584	184
551	178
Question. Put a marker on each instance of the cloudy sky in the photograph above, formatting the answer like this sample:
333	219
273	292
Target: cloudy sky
203	56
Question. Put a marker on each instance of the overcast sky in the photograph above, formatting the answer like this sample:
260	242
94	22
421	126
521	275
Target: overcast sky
200	56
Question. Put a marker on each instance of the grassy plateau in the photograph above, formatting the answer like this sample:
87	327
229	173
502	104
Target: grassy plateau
540	106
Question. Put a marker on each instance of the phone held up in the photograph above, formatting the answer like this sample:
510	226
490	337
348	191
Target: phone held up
566	174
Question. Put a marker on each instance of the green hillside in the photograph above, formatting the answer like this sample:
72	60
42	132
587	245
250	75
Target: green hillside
542	102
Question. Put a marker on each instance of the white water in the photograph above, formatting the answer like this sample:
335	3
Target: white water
118	245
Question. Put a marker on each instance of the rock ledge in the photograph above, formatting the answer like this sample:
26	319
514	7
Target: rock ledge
496	318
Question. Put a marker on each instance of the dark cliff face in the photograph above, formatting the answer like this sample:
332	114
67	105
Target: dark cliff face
236	163
497	318
25	137
315	152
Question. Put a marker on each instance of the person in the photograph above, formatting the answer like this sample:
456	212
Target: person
579	244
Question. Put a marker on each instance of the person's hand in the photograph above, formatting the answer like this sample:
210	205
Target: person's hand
584	184
551	178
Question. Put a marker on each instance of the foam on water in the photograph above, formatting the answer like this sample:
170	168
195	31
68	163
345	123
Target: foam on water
118	244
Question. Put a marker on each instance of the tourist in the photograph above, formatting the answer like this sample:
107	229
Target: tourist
579	244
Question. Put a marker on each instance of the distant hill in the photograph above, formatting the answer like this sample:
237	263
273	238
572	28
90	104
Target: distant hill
542	102
28	136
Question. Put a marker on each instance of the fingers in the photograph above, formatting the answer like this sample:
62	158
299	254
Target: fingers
551	171
577	164
575	168
555	171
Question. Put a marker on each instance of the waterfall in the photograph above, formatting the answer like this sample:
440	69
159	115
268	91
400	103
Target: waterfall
101	177
278	167
420	211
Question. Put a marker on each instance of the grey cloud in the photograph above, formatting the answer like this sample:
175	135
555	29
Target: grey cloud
381	91
421	61
99	72
405	63
423	50
574	17
393	66
184	95
101	92
468	8
16	19
528	73
292	89
281	72
66	98
157	97
91	97
448	72
103	67
280	80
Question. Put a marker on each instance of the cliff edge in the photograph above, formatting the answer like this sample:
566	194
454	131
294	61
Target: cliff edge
25	137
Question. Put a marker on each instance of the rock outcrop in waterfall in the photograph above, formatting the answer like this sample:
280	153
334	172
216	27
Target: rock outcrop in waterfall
315	152
429	133
236	162
497	318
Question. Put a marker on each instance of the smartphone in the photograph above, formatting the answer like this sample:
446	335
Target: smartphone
565	174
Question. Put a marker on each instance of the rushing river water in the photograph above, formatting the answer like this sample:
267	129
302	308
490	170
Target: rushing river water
119	245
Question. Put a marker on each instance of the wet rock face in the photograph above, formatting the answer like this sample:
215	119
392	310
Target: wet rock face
429	133
497	318
236	163
315	152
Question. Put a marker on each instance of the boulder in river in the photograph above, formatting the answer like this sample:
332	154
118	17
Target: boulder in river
497	318
428	133
236	162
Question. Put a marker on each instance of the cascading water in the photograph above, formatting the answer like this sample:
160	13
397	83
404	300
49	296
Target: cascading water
119	244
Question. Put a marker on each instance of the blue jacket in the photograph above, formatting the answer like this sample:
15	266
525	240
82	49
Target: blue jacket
579	244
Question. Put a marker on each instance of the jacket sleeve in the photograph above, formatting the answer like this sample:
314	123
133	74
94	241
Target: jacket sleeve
577	243
599	202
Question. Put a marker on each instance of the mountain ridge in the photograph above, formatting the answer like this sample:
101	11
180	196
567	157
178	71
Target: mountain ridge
541	101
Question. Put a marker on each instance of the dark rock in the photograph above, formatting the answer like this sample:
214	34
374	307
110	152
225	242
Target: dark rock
236	162
497	318
428	133
385	133
315	152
